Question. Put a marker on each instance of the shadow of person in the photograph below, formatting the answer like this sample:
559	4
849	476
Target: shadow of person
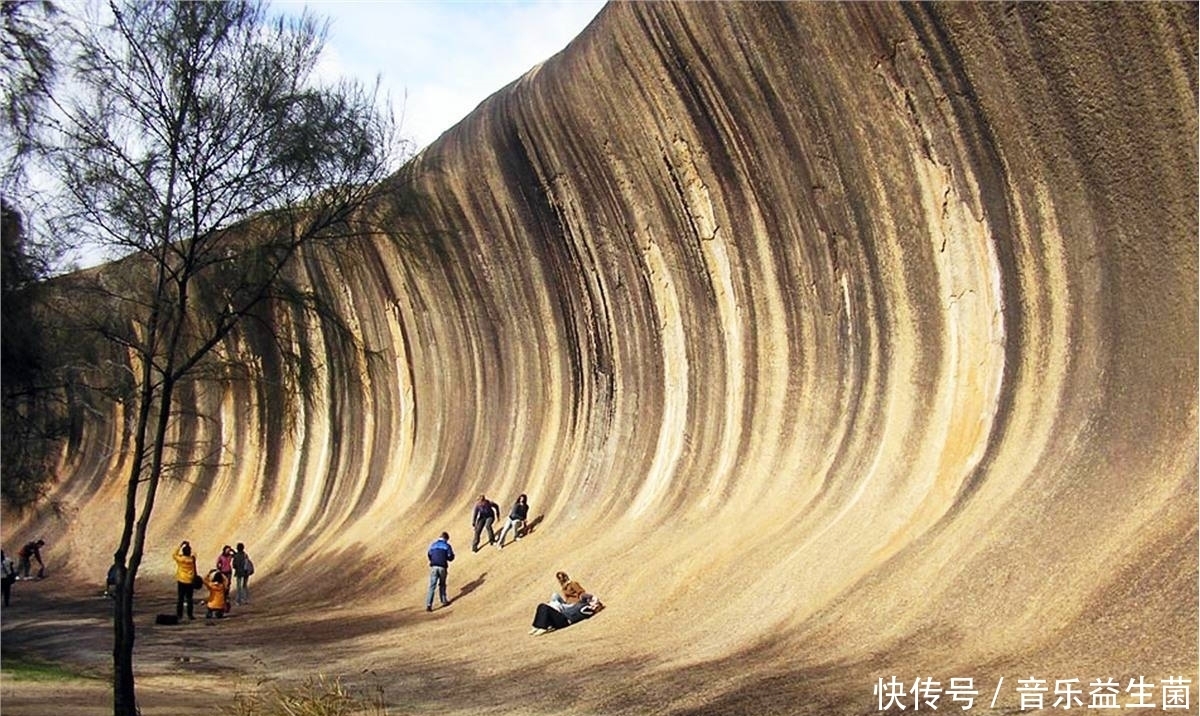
531	525
469	587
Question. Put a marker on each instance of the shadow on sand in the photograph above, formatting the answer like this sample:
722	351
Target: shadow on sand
531	525
469	587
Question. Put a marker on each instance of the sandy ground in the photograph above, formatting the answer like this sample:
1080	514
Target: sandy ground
277	643
181	670
415	662
178	668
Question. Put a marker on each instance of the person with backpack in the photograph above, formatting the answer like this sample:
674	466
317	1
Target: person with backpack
516	520
483	517
31	551
441	554
243	567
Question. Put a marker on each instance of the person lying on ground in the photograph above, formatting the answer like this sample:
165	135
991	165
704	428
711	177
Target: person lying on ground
556	615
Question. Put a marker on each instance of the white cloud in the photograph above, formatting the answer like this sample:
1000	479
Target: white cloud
439	60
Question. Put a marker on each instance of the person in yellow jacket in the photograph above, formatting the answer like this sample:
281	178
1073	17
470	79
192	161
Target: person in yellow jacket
185	579
218	594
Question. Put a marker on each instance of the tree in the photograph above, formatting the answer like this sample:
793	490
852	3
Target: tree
27	71
29	407
196	147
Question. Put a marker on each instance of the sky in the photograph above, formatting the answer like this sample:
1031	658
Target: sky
439	60
436	59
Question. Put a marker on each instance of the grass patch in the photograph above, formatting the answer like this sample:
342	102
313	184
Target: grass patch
19	668
318	696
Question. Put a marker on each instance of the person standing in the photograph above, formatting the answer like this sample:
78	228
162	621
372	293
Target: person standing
516	520
441	554
243	567
113	578
225	565
31	551
8	575
483	517
185	576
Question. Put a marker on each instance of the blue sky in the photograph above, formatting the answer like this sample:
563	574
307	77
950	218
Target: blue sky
439	60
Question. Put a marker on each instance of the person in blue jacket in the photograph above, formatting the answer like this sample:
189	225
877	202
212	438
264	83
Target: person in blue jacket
441	554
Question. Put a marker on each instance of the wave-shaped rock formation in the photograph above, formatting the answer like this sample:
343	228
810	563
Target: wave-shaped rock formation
830	342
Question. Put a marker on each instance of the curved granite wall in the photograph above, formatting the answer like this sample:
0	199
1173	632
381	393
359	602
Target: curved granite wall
830	342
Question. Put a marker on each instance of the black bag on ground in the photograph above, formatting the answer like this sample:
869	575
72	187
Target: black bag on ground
166	619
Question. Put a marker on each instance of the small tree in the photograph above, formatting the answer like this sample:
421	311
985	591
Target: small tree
27	71
30	403
184	122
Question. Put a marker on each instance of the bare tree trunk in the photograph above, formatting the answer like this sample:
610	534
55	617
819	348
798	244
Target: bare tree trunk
124	698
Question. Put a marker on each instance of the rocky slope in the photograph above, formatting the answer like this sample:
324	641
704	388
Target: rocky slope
830	342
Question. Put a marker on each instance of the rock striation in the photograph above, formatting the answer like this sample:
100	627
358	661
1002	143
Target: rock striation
831	342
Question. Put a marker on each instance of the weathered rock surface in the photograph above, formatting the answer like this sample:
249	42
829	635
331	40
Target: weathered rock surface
830	342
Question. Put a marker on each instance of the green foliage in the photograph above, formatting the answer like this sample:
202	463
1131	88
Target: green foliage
31	426
27	70
19	274
16	668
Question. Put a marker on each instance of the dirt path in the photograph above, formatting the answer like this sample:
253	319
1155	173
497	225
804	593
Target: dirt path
179	669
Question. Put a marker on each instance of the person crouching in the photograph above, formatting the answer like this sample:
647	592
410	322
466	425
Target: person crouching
218	594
